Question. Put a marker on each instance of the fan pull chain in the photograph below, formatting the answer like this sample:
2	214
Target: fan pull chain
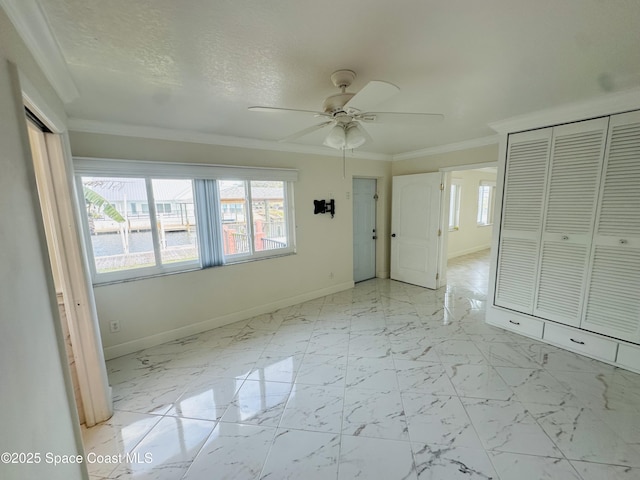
344	164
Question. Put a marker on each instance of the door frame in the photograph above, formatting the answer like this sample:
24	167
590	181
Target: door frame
444	211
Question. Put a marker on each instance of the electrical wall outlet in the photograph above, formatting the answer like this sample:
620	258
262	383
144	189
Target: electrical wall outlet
114	326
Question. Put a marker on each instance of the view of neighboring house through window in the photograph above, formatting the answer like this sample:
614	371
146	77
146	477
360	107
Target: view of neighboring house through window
140	226
454	206
486	193
122	228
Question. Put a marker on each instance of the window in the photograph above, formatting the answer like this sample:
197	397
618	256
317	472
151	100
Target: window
253	217
454	206
485	202
195	222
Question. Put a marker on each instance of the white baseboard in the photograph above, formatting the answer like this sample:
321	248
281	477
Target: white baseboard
381	274
468	251
177	333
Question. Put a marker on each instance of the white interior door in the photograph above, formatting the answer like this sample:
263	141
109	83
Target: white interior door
415	229
364	229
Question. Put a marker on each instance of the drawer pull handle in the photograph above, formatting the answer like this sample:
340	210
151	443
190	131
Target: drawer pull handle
514	322
622	241
579	342
565	237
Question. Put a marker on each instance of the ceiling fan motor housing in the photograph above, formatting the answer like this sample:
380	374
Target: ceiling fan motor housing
336	102
341	79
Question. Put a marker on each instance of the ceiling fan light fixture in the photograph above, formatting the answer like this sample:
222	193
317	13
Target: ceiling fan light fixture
354	137
336	138
345	137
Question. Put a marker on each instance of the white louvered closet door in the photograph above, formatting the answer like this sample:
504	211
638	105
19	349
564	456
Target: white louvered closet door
523	198
613	294
571	197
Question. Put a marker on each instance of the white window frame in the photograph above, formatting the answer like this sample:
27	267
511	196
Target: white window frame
492	191
455	212
96	167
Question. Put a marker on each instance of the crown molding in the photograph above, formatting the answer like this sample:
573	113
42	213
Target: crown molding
38	105
121	129
608	104
450	147
28	19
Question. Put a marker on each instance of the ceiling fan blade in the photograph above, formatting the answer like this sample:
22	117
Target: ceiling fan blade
306	131
400	117
372	94
277	109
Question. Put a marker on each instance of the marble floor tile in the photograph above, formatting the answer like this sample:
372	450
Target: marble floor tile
292	342
382	381
374	414
155	394
582	435
500	354
507	426
314	407
329	343
603	391
414	376
207	398
514	466
276	367
297	454
375	459
233	363
232	452
118	435
326	370
598	471
478	381
439	462
374	346
459	351
258	403
372	373
414	348
537	386
439	420
167	451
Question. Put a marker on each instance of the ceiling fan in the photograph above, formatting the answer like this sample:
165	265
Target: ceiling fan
344	111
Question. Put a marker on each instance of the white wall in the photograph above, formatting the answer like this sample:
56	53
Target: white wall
433	163
156	310
470	237
38	413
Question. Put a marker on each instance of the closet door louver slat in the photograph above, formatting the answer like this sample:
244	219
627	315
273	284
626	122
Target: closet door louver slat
523	197
561	282
572	192
613	295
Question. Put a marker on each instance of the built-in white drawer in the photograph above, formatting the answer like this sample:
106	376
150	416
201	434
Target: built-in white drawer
581	342
521	324
629	357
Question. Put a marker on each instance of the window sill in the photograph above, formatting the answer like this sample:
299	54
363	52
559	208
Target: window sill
187	270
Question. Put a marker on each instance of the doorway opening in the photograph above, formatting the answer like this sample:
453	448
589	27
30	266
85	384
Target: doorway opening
79	324
364	228
468	224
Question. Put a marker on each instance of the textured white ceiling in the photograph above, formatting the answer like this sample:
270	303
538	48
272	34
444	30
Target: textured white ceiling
198	64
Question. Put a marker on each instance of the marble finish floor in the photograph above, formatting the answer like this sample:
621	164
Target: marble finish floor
384	381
